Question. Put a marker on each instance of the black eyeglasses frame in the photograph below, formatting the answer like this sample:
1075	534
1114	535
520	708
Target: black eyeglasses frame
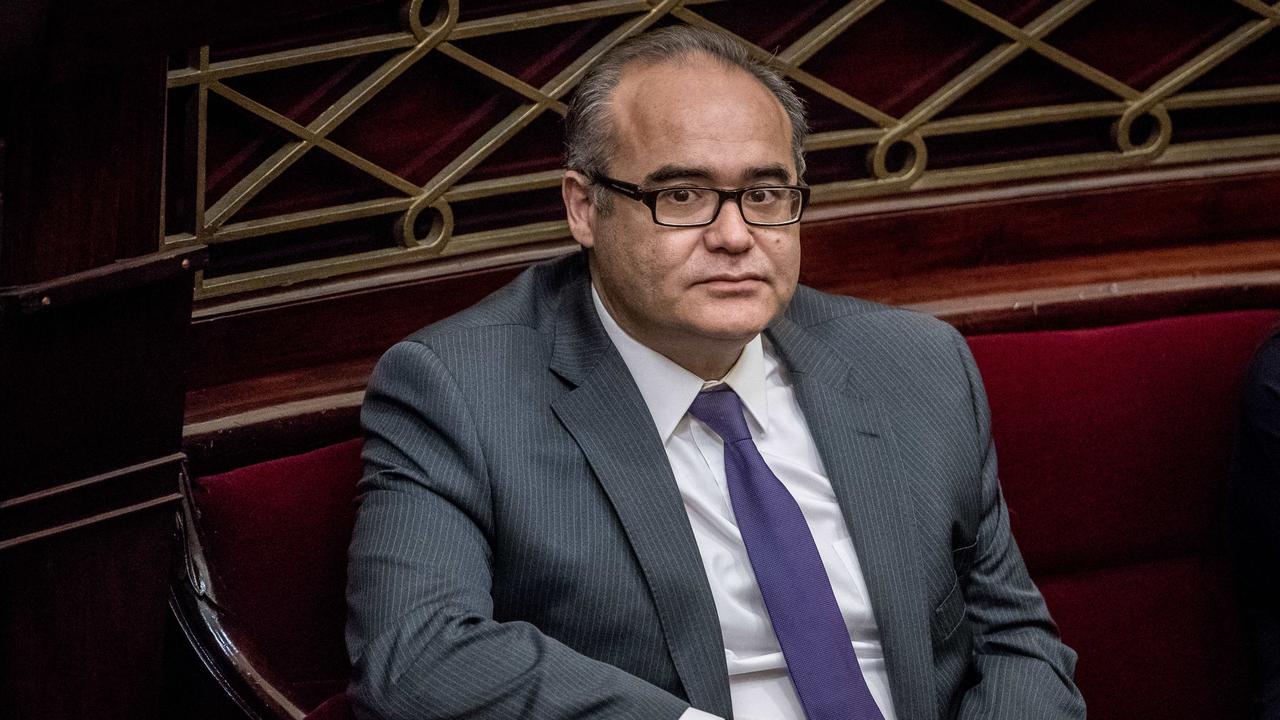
650	199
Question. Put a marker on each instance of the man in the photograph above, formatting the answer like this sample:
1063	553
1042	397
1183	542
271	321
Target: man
658	480
1254	523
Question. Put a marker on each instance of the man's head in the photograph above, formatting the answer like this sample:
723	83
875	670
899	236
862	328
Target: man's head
685	107
588	126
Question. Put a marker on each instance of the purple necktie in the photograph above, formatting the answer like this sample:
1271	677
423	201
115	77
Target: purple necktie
802	606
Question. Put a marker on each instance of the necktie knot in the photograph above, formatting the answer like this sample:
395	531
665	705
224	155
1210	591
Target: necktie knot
721	409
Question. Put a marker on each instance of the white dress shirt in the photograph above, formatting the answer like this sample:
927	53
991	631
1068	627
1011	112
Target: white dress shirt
759	684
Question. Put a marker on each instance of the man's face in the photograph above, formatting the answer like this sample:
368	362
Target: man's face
693	121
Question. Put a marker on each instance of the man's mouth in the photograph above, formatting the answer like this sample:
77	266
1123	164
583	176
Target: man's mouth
734	278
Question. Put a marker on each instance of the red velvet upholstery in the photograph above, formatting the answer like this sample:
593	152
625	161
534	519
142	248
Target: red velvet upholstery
1113	445
275	538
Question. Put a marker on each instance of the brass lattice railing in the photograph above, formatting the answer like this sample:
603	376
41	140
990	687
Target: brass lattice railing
896	146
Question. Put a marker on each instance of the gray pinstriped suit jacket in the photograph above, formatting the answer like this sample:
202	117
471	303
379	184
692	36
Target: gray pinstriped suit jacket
521	549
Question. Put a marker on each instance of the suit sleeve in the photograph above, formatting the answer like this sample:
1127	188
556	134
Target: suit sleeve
1253	522
420	630
1022	667
1261	403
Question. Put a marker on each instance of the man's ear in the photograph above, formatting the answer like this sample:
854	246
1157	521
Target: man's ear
579	207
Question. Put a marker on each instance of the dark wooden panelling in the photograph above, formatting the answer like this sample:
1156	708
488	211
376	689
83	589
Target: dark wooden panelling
82	172
92	323
68	507
275	389
871	244
272	432
82	616
230	426
1108	303
60	35
1224	265
21	33
91	407
239	345
71	369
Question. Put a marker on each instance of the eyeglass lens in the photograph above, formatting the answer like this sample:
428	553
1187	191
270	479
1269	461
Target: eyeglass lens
764	205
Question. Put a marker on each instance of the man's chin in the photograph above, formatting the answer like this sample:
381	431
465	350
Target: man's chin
731	327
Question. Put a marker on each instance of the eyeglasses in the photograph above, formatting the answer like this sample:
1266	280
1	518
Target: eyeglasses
764	205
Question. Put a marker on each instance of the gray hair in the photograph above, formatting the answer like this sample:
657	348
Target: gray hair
588	129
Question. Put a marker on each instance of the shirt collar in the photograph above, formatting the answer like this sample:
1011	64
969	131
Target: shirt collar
668	389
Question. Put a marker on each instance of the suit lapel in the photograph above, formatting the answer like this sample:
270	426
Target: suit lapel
857	448
607	416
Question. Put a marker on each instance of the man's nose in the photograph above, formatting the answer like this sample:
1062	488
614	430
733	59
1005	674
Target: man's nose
729	231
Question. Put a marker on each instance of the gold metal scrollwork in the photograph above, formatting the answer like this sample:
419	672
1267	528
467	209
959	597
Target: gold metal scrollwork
909	157
1142	126
446	17
439	233
1156	138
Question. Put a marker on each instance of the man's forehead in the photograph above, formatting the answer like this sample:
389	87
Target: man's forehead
675	77
698	113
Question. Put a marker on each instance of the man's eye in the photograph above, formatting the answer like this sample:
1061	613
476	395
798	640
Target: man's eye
761	196
680	195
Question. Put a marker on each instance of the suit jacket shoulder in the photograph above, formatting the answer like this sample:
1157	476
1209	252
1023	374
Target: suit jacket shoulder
898	355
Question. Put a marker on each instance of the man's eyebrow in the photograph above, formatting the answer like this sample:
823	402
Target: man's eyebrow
775	172
667	173
772	173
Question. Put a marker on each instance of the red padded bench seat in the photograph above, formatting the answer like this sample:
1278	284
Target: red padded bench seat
1113	445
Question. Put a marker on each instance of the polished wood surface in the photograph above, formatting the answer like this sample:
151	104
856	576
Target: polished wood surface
1004	231
90	458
